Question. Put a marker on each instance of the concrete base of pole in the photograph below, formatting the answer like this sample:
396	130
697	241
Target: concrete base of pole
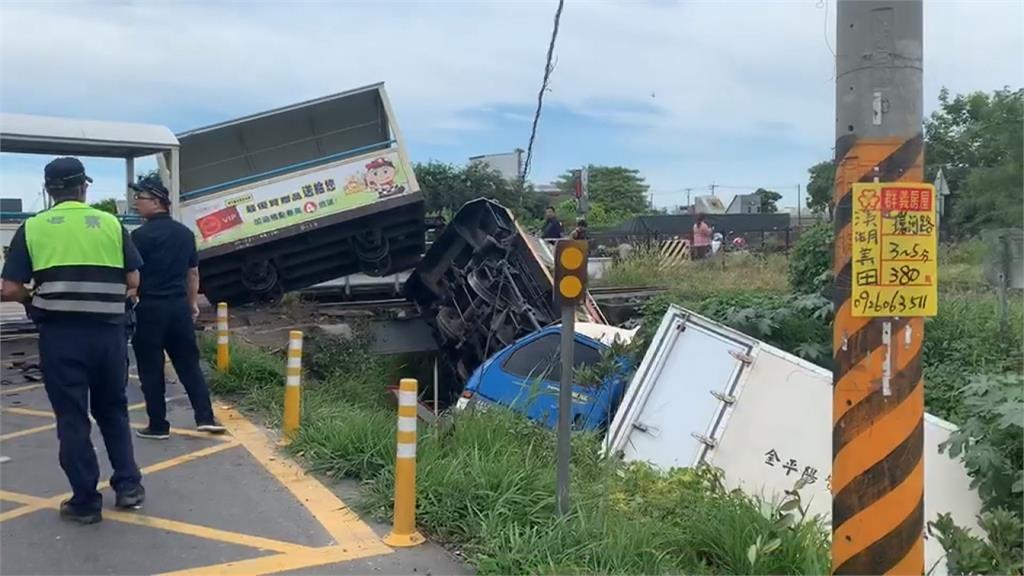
404	540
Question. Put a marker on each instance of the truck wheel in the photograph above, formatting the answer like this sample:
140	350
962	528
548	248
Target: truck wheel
372	249
261	279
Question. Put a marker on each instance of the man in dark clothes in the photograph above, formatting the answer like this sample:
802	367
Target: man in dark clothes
166	312
552	227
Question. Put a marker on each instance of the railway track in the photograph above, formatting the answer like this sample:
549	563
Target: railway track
331	300
334	301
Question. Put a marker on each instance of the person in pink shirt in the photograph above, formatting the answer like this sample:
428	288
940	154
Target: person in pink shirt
701	238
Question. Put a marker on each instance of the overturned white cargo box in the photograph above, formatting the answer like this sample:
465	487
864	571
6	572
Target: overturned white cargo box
705	393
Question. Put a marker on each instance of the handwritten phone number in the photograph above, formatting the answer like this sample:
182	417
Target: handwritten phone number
895	303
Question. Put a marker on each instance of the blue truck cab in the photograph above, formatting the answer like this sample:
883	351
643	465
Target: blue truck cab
525	375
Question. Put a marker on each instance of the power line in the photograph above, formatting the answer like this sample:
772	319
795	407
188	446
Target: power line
548	67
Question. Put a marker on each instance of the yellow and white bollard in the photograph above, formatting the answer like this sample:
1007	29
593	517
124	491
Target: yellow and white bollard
403	532
223	356
293	386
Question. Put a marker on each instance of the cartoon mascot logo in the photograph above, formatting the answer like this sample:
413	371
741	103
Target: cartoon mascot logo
380	177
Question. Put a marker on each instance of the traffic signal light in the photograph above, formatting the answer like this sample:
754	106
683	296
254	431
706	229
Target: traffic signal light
570	272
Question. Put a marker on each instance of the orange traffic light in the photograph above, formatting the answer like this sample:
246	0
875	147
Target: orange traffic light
570	272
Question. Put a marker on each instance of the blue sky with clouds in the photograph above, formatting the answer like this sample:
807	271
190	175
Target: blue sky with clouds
738	93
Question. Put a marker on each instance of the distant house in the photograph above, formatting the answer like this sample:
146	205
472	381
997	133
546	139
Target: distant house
745	204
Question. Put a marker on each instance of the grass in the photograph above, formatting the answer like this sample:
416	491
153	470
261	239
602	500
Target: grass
693	281
485	482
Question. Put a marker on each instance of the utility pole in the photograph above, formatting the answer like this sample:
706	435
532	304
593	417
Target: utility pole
878	401
798	203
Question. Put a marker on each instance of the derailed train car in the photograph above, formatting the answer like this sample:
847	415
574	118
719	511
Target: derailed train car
484	284
292	197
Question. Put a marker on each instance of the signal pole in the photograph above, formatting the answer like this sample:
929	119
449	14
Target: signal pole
878	398
570	289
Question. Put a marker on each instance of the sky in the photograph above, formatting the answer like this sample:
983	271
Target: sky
736	93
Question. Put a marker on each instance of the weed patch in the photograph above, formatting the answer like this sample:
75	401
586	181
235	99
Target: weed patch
486	483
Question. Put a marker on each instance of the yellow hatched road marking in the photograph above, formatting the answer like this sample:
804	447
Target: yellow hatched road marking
354	537
334	515
17	389
26	432
281	562
140	519
45	414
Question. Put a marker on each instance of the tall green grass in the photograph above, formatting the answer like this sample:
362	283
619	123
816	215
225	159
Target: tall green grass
486	483
693	280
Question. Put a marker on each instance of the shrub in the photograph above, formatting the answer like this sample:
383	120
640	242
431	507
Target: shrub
810	264
1001	551
991	439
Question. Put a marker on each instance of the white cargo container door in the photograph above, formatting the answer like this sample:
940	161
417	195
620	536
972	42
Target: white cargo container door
780	429
673	412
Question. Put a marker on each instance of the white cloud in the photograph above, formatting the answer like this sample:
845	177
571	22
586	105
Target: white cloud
678	74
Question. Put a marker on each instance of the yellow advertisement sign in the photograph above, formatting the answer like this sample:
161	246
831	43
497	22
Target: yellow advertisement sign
265	208
894	250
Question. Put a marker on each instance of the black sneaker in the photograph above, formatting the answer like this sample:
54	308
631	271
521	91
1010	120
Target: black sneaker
131	498
213	427
69	513
152	434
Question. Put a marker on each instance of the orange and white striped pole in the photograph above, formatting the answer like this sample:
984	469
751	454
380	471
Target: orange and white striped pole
403	533
223	355
293	386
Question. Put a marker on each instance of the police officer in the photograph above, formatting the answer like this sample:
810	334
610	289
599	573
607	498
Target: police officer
83	265
166	311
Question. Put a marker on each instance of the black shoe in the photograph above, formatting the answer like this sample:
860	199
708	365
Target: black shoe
68	512
131	498
151	433
213	427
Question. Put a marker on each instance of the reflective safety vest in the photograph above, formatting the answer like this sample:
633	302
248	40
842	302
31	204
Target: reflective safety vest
77	257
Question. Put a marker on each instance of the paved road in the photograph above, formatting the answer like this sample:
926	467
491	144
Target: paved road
227	505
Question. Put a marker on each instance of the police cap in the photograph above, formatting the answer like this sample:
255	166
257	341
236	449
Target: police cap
65	172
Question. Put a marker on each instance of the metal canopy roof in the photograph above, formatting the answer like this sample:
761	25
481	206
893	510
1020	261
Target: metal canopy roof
27	134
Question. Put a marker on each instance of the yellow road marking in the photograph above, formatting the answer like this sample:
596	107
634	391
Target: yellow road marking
36	503
140	519
281	562
27	411
334	515
45	414
356	538
26	432
200	531
189	456
17	389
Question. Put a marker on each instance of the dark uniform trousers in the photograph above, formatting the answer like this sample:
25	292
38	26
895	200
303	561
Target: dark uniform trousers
80	359
166	324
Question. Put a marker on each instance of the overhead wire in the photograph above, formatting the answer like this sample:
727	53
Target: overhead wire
548	68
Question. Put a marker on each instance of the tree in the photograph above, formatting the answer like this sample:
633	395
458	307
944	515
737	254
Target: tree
614	193
820	187
108	205
447	187
768	200
978	141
